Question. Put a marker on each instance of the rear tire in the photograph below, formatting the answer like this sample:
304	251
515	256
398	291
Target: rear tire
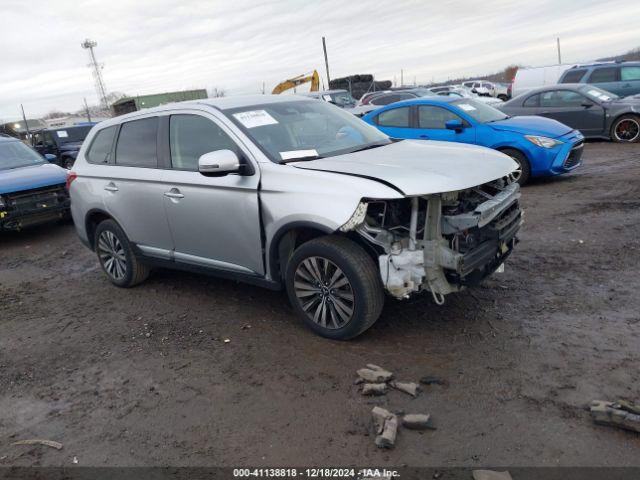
334	286
116	256
524	169
626	129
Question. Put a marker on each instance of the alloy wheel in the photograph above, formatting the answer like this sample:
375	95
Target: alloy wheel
112	256
627	130
517	173
324	292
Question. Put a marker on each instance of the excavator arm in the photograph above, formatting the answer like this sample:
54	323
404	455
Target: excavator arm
314	78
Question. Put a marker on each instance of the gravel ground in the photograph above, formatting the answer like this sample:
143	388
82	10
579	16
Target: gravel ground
144	376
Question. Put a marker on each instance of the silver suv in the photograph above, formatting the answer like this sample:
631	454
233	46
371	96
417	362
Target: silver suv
295	193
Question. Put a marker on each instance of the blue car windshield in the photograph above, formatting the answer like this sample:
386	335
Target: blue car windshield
16	154
305	130
480	112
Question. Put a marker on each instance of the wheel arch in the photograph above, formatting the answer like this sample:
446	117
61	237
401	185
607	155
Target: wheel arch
93	218
619	115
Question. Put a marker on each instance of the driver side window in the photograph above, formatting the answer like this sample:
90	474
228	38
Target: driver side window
191	136
561	98
432	117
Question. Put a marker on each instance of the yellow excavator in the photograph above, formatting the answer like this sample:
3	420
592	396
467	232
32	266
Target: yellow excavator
314	78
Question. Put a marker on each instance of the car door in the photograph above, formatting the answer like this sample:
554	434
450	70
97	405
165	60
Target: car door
395	122
214	221
630	80
131	183
573	109
606	78
431	122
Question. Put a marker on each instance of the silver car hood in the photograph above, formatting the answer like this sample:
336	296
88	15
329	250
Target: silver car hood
419	167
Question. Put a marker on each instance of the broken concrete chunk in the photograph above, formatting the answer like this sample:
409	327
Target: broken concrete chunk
406	387
387	438
416	421
374	376
379	415
612	414
374	389
631	407
490	475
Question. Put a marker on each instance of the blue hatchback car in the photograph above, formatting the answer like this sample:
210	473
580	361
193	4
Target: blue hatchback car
32	190
541	146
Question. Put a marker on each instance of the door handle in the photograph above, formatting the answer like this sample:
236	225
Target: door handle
424	137
174	193
111	187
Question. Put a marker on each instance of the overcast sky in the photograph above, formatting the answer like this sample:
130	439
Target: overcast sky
151	46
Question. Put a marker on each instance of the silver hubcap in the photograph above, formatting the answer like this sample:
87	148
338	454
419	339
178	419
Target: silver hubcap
112	255
627	130
324	292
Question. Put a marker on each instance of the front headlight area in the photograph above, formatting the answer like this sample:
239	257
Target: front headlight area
438	242
544	142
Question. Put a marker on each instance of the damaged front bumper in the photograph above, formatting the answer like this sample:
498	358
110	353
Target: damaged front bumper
450	251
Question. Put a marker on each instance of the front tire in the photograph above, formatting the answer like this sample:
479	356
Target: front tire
626	129
334	287
523	173
67	162
116	256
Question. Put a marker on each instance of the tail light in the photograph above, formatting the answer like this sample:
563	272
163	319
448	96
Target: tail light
71	176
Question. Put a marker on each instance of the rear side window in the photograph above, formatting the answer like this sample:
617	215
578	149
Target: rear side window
396	117
630	73
601	75
100	149
532	101
191	136
574	76
137	143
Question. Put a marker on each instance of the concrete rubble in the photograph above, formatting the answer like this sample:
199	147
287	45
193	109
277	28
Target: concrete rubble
407	387
620	414
374	374
386	437
375	389
416	421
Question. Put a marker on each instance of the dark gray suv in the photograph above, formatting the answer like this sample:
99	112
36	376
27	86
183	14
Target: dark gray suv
623	78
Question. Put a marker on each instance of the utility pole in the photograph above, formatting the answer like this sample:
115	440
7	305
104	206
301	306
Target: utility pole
26	125
401	77
86	109
326	60
559	56
101	90
263	88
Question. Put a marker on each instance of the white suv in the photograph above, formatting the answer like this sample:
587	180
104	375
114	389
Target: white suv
295	193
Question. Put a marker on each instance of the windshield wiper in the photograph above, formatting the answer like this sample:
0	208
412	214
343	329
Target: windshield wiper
370	146
304	158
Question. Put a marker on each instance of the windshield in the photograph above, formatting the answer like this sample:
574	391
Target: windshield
343	99
304	130
16	154
598	94
480	112
72	134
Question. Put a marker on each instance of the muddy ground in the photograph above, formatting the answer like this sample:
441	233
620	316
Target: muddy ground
144	377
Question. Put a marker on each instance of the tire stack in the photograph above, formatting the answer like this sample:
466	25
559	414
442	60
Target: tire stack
358	85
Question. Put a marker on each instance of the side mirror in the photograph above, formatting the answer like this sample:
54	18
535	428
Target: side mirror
50	157
220	162
454	125
587	104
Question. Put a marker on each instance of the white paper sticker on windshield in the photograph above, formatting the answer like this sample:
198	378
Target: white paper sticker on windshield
255	118
466	107
298	154
62	134
600	95
327	98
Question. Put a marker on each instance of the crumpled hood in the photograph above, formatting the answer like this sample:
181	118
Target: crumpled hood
532	125
420	167
35	176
